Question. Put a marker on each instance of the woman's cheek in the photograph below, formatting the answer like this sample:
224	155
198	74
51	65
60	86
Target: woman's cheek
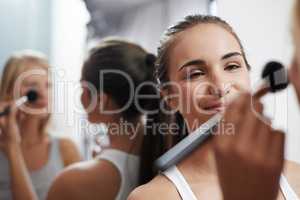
242	82
189	93
193	112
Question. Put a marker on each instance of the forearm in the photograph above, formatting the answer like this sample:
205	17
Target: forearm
21	185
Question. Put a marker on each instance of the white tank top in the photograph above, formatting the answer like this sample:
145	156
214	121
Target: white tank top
185	192
128	167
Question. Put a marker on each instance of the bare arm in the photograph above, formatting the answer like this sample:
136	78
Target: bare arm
141	193
10	139
250	159
158	188
292	173
69	151
294	74
86	180
21	184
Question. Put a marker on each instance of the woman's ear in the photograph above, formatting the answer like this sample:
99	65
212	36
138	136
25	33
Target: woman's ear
103	101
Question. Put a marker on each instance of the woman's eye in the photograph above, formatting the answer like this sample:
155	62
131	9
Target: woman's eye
232	67
195	74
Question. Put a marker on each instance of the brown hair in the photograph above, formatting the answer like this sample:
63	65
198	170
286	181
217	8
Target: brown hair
133	60
128	58
14	67
170	37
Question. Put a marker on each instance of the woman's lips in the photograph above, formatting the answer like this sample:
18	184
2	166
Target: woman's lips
215	106
212	104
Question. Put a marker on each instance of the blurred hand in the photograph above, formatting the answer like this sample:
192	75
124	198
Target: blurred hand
294	77
250	161
9	130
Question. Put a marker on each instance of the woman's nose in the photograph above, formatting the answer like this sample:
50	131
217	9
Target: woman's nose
219	91
219	86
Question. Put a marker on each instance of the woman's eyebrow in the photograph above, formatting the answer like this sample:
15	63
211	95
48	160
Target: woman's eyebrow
192	62
226	56
202	62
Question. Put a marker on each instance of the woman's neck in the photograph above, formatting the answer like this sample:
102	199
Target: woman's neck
201	162
126	135
29	131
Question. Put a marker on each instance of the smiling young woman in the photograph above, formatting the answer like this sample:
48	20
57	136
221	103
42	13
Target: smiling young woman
204	58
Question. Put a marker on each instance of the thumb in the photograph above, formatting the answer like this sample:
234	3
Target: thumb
12	125
12	115
13	111
293	75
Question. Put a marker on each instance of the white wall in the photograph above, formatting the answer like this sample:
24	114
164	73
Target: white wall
68	38
58	29
24	25
264	27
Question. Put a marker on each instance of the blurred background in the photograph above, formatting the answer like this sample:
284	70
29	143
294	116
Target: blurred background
65	29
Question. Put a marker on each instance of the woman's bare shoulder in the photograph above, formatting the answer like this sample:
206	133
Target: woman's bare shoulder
292	172
86	180
69	151
159	188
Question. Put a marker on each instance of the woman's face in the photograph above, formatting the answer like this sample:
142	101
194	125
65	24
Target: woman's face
36	77
207	70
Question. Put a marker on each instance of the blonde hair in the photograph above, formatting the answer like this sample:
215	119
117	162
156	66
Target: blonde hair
14	67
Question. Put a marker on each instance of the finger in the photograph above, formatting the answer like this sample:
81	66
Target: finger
11	118
236	108
232	117
264	138
2	122
3	104
4	108
4	111
228	99
236	112
293	75
261	92
277	145
293	72
13	112
248	131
